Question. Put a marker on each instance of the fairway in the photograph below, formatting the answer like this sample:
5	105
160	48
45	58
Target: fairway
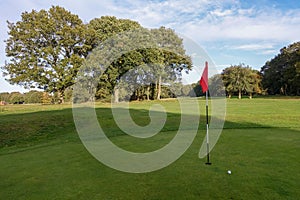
42	157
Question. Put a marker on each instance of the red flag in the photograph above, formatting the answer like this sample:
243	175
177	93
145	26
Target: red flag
204	78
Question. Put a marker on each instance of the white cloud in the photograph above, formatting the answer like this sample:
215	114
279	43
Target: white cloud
201	19
230	26
253	47
221	13
248	12
264	26
259	48
270	52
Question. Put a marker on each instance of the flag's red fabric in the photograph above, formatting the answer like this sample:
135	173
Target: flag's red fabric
204	79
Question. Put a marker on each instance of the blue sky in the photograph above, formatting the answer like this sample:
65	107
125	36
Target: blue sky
230	31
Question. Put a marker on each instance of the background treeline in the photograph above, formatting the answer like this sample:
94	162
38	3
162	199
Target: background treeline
32	97
279	76
47	48
40	97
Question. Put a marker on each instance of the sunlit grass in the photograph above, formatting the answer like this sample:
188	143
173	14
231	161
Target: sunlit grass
41	156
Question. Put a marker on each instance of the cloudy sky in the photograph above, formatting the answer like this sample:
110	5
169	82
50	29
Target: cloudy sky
230	31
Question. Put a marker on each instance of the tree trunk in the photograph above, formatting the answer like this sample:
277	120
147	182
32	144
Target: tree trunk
116	95
250	95
229	95
159	88
153	91
138	94
285	89
61	96
148	92
240	94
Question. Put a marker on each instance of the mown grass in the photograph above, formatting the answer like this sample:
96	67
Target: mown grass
41	156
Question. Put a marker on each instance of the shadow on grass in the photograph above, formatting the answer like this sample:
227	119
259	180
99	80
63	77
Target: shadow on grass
27	129
263	160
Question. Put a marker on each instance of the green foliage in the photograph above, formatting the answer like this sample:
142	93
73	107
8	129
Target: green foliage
16	97
4	96
281	75
108	26
216	85
151	57
46	49
241	79
33	96
13	97
46	98
197	89
171	56
67	96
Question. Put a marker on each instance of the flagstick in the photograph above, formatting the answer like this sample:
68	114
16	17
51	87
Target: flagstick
207	136
204	84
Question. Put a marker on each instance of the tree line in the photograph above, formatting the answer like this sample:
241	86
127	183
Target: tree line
281	75
32	97
48	48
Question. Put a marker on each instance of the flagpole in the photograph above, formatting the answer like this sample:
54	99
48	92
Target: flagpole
204	84
207	135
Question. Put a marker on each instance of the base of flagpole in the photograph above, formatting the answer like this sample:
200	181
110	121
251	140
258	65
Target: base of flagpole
208	163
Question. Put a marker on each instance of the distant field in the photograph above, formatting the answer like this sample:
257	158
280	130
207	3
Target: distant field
42	157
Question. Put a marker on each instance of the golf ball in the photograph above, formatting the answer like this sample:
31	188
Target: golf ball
228	172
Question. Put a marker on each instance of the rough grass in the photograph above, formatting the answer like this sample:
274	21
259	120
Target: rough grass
41	156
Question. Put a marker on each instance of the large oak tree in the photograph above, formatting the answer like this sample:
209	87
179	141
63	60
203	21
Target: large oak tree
45	50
